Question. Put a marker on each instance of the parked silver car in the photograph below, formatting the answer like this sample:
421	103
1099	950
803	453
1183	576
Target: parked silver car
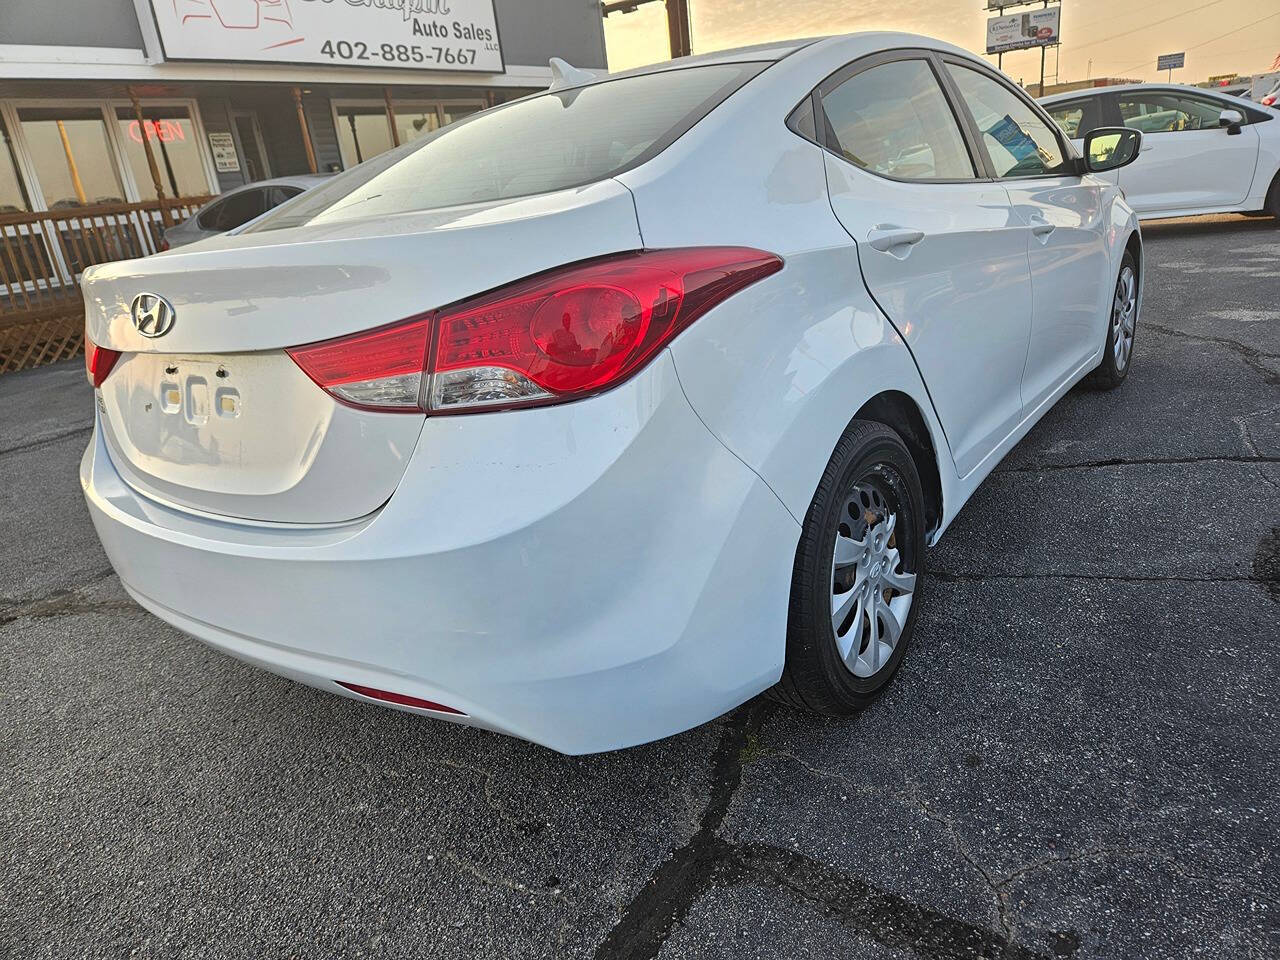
237	207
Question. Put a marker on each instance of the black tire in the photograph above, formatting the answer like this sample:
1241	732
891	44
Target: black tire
869	457
1115	365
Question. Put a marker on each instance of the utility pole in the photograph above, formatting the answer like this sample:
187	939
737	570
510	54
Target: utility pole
677	21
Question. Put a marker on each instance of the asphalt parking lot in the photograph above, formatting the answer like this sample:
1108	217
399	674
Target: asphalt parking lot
1077	760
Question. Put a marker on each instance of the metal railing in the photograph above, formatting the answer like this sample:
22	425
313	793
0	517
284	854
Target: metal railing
42	255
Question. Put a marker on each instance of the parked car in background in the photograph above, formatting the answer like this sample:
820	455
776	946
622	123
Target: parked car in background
1202	152
237	207
601	411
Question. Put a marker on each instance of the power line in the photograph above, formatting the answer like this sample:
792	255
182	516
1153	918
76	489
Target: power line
1146	26
1205	43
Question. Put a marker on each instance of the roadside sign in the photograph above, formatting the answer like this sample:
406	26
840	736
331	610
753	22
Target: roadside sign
1039	28
1171	61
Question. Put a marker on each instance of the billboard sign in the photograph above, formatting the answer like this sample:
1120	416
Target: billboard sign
458	35
1039	28
1171	61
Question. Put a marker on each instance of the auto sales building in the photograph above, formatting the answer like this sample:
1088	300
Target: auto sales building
118	117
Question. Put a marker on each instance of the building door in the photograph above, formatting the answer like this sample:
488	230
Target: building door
253	151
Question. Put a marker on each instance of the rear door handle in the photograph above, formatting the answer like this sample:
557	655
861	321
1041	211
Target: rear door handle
885	239
1040	226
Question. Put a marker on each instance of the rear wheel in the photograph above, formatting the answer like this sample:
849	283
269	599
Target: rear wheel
856	584
1121	327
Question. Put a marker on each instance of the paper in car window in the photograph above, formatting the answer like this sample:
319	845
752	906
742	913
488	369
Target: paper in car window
1014	139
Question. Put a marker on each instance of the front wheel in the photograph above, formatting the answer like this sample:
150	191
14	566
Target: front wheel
856	585
1121	327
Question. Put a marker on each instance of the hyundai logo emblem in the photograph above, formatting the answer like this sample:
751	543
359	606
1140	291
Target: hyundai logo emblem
152	314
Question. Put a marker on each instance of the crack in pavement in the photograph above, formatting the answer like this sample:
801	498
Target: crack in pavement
65	602
1255	359
46	439
1139	461
950	576
708	861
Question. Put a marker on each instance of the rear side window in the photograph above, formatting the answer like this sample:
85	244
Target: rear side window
235	210
893	119
548	142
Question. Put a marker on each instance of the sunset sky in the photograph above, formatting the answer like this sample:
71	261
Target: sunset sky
1120	37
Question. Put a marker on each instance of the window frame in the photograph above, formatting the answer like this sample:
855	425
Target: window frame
937	59
870	62
1069	154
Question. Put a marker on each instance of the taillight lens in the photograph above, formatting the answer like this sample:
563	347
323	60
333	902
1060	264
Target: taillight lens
98	361
564	334
1268	101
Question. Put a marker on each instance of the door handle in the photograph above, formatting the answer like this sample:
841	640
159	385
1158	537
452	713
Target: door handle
885	239
1040	226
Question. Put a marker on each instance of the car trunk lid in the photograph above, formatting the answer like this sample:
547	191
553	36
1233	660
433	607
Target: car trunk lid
214	416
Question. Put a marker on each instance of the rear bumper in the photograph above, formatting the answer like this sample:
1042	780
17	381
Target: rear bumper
588	577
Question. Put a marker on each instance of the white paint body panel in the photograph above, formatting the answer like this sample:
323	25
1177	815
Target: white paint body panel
573	574
1197	172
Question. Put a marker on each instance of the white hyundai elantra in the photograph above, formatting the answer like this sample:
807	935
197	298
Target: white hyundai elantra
592	416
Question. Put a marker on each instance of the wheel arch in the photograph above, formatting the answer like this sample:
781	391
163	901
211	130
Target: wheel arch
900	412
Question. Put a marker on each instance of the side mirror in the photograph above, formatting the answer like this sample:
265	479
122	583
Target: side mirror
1231	119
1110	148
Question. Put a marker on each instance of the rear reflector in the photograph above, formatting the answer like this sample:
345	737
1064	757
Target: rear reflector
564	334
402	699
98	361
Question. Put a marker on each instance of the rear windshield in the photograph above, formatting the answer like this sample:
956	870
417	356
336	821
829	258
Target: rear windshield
547	142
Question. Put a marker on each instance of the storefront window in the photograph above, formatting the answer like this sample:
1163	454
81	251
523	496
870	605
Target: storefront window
363	132
175	146
13	195
456	111
72	156
413	122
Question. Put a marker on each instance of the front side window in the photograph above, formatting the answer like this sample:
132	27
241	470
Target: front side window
174	145
552	141
893	119
70	150
1019	143
1170	112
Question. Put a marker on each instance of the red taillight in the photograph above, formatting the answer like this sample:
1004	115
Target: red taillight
403	699
1268	101
558	336
98	361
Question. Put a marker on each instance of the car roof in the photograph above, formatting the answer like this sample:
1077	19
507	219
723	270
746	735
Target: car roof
1129	88
304	180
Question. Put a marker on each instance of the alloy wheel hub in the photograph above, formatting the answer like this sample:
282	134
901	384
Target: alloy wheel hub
870	594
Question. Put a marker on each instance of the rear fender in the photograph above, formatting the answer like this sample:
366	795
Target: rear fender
778	371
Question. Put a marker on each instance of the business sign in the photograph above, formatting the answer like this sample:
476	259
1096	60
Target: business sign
416	34
223	147
1039	28
1171	61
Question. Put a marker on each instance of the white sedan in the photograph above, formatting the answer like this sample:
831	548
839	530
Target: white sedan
600	412
1202	152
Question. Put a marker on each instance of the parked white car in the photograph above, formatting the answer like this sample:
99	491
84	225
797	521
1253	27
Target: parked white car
595	414
237	207
1202	152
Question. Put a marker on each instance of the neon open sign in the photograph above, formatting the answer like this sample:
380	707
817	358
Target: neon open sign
166	130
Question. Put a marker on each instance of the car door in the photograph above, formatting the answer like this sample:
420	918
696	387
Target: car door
1188	161
938	243
1063	214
